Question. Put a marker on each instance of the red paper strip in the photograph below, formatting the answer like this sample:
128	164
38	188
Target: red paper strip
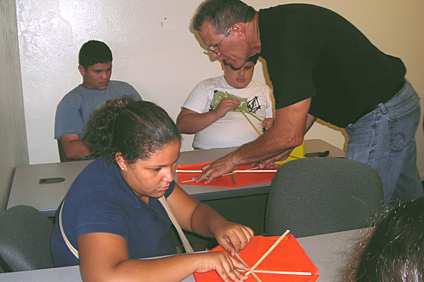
288	255
224	181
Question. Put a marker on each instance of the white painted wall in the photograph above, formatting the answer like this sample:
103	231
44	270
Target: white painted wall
155	51
13	145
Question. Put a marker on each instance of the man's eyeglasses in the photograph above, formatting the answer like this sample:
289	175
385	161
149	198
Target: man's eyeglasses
215	49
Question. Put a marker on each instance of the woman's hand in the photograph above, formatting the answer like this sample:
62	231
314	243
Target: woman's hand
233	237
223	264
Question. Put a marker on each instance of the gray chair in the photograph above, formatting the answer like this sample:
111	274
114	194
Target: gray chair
314	196
62	156
25	235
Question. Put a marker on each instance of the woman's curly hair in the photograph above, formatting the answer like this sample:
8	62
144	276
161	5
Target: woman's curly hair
134	129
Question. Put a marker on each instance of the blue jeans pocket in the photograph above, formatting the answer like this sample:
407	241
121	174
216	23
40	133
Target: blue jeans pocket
403	129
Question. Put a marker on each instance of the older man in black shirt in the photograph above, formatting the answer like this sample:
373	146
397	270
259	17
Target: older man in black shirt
320	66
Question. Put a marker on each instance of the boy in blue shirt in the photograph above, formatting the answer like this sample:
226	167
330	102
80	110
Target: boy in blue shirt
76	107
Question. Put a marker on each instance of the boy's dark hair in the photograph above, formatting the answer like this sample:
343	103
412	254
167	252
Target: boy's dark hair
94	52
253	59
222	14
135	129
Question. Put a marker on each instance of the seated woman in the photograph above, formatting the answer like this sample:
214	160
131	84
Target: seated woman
112	216
395	249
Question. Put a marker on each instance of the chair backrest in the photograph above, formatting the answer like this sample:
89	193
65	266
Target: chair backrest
25	235
62	156
314	196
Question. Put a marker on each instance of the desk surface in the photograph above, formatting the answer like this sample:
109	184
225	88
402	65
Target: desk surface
26	189
329	252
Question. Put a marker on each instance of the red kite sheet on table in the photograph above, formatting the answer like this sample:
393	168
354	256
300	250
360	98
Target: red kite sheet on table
288	255
240	179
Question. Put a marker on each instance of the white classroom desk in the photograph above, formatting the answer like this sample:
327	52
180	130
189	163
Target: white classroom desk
26	189
329	252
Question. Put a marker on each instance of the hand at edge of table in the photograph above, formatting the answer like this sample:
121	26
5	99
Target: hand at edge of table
225	266
270	162
215	169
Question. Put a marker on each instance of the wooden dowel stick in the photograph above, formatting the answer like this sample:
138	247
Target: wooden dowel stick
258	171
267	252
191	180
189	170
284	272
242	109
245	264
235	171
231	173
232	179
254	127
253	115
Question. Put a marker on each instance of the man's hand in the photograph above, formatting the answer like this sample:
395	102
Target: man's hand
217	168
270	162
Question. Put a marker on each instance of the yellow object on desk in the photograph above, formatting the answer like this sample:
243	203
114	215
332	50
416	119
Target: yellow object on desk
297	153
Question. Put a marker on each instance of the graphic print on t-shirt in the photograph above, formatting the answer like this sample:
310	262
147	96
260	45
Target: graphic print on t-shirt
252	106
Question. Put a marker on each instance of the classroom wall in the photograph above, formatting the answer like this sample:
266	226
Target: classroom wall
155	51
13	145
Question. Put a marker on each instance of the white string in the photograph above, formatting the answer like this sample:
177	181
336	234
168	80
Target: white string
171	216
70	247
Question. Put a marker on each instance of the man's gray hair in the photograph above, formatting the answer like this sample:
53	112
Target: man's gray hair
222	14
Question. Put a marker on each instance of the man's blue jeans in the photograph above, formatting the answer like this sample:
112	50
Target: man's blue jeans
385	139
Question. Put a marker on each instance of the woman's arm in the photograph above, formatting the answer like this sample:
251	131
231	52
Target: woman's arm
104	257
203	220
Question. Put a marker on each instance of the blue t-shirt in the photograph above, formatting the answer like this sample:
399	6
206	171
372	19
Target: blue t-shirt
76	107
100	200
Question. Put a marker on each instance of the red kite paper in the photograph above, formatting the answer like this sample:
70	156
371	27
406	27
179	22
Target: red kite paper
288	256
233	180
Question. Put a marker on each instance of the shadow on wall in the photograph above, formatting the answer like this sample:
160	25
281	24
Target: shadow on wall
335	128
